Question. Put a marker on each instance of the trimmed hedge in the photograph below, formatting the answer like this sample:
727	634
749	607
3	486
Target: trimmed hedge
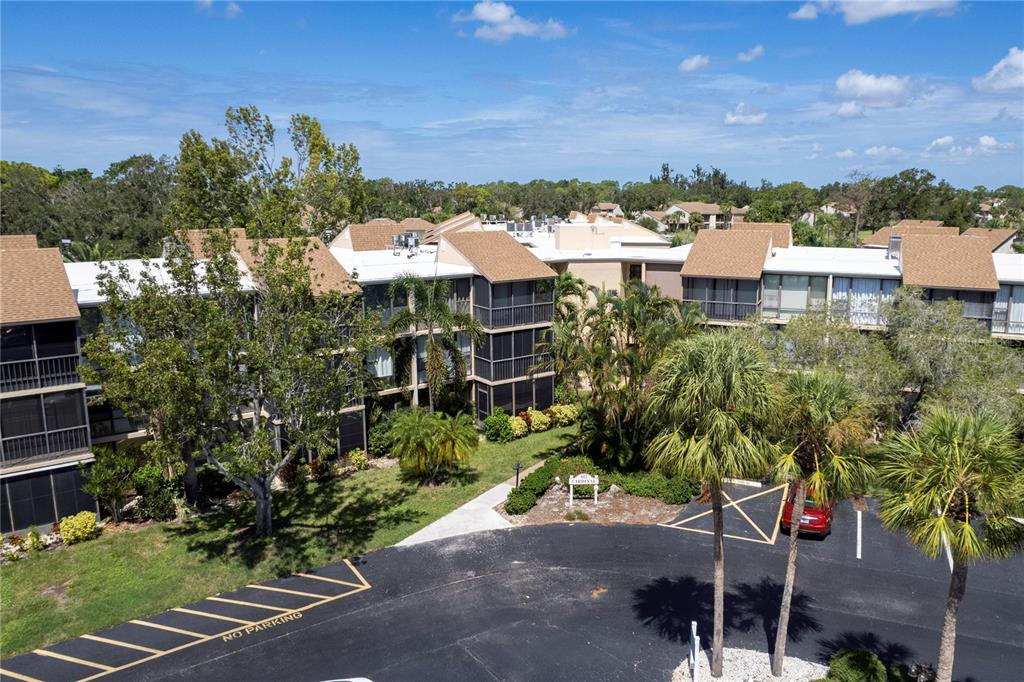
654	484
81	526
522	499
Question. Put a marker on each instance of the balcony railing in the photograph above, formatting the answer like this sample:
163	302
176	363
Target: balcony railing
513	368
977	311
49	444
1004	326
115	426
721	310
18	375
514	316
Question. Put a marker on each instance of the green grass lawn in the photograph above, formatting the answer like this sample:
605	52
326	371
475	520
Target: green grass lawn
118	576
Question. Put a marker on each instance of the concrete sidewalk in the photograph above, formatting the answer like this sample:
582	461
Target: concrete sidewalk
476	515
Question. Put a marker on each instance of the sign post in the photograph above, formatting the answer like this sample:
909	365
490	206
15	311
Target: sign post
582	479
694	650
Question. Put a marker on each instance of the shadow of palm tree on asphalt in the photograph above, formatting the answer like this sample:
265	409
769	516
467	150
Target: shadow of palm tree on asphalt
891	653
670	605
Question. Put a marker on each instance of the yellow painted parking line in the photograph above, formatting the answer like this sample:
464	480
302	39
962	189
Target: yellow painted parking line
725	506
281	589
158	626
126	645
749	520
72	659
18	676
711	532
778	519
358	574
212	615
253	604
328	580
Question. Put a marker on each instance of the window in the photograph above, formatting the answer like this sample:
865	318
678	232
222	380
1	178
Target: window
350	431
56	338
522	293
21	416
381	364
63	410
544	391
793	300
482	403
819	291
523	343
16	343
524	395
503	397
544	292
772	284
502	295
482	292
68	494
31	501
635	271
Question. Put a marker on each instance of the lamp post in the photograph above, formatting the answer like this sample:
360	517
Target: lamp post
517	466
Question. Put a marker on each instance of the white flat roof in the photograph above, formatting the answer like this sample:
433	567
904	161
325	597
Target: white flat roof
376	267
821	260
1009	267
84	277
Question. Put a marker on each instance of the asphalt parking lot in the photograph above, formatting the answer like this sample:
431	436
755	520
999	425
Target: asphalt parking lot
579	602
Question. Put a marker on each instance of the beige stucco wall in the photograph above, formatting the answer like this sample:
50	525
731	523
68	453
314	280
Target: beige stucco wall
666	277
446	253
606	275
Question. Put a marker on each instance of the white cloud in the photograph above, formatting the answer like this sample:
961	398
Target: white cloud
1007	74
850	110
752	54
807	11
883	152
938	143
815	152
986	146
500	22
846	154
697	61
231	9
876	90
862	11
745	115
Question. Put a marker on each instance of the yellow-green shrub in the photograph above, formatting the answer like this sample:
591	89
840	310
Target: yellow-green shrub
518	426
358	459
538	420
81	526
565	414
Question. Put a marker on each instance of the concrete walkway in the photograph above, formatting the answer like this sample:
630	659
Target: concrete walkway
476	515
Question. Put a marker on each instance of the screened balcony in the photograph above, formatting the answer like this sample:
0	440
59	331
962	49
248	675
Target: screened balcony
730	300
43	426
39	356
513	304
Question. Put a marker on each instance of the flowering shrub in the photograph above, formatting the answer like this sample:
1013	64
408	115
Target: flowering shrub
81	526
563	415
538	421
496	427
518	426
359	460
525	416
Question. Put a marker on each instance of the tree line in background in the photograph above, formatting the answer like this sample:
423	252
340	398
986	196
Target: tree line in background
240	179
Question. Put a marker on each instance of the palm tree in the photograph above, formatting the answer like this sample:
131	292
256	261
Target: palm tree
82	252
414	440
430	310
828	429
457	440
711	394
955	483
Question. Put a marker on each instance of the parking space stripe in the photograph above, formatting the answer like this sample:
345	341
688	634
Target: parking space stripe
18	676
126	645
328	580
212	615
724	506
239	602
72	659
357	573
281	589
711	532
158	626
749	520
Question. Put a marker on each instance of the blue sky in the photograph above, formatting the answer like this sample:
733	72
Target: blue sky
807	91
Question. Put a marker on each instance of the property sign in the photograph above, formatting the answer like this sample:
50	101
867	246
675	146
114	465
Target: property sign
582	479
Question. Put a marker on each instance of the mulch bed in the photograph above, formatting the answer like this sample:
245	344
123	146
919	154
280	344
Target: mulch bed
617	508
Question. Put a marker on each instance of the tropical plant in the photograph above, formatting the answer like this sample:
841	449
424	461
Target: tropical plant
711	398
827	432
431	310
81	252
560	344
624	337
430	446
109	479
955	483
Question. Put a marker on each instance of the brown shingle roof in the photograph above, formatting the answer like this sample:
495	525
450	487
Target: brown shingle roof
994	237
326	273
34	287
374	235
195	240
948	263
416	224
605	206
498	256
657	215
699	207
728	254
17	241
905	228
455	224
782	233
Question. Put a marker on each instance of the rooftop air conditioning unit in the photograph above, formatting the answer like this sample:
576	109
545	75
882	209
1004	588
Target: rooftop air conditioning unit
397	243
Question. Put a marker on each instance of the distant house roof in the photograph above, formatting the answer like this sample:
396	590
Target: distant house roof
605	206
195	240
782	233
948	262
326	273
728	254
698	207
995	237
657	215
498	256
416	224
34	286
18	241
375	235
739	210
454	224
905	228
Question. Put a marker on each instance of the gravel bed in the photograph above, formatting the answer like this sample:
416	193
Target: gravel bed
744	665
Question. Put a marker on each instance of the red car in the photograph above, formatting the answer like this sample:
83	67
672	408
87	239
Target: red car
816	520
